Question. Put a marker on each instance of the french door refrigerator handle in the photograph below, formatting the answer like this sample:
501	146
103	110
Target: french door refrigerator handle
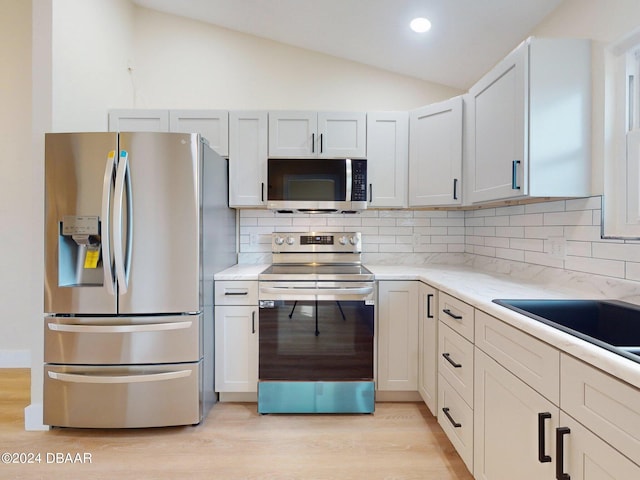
122	263
107	185
150	377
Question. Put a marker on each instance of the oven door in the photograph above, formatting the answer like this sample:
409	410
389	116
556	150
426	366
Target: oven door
316	334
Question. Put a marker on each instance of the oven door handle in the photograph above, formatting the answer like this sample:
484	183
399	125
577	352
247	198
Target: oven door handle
318	291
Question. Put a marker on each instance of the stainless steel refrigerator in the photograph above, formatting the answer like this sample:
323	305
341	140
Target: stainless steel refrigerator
136	225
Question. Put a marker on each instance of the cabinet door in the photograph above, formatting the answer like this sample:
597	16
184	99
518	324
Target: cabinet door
236	354
428	346
139	120
435	154
506	426
342	135
293	134
398	336
387	159
211	124
247	158
497	122
587	457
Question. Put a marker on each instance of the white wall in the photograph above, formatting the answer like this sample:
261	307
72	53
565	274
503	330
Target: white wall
91	45
17	304
182	63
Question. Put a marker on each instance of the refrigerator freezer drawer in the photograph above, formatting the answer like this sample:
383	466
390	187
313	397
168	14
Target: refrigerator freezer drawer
121	397
135	340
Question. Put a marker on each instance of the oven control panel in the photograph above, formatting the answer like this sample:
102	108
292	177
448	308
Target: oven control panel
333	242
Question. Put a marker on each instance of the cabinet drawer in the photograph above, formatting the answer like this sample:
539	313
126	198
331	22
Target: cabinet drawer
603	404
236	292
455	362
456	314
533	361
456	419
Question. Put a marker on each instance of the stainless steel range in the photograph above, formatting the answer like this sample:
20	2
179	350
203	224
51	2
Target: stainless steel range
316	326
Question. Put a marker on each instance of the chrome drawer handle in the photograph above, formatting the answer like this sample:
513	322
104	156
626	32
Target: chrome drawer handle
83	378
151	327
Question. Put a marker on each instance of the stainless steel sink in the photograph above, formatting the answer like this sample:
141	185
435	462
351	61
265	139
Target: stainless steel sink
610	324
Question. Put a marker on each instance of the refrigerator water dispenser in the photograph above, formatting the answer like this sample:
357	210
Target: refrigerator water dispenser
79	259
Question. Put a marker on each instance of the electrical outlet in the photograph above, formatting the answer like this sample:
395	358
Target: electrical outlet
253	239
557	247
417	239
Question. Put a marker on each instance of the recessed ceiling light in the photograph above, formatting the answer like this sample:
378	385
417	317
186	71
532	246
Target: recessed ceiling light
420	25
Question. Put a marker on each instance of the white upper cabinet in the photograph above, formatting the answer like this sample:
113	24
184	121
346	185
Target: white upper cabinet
294	134
530	124
138	120
247	158
211	124
387	158
435	154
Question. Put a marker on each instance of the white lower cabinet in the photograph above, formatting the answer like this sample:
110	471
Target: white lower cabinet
236	336
236	340
587	457
508	428
456	419
428	346
398	336
526	427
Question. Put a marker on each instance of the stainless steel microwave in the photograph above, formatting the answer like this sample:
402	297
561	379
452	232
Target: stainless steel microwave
316	185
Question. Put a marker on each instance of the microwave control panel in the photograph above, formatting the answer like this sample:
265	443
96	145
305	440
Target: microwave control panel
359	183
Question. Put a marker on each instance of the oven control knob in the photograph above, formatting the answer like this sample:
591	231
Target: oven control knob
279	240
353	240
291	240
342	240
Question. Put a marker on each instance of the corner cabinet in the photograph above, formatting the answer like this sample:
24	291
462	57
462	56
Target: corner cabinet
530	124
435	154
398	336
248	152
236	336
300	134
387	158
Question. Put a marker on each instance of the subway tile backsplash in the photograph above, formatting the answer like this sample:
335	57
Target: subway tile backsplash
562	234
388	236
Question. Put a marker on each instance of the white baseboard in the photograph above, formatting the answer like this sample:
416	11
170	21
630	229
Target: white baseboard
15	358
33	418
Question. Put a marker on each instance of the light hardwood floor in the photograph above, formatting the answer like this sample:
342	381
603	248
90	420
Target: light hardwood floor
399	441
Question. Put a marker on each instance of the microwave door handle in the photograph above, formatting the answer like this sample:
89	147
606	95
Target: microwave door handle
107	186
349	175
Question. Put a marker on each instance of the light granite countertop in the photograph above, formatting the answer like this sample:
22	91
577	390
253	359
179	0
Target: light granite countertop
478	288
